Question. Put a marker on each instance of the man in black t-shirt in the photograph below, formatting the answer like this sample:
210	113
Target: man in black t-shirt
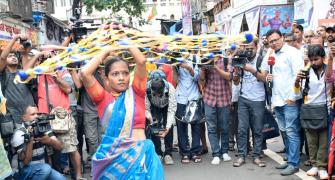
16	94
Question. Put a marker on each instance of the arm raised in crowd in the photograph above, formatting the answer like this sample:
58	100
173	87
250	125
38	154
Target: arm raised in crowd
63	84
140	61
76	80
87	71
7	50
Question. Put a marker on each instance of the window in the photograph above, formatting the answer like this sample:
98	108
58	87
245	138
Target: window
62	3
171	4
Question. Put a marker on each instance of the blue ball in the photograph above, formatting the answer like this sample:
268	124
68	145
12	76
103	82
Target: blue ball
23	75
204	42
233	47
210	55
124	42
59	68
38	70
249	37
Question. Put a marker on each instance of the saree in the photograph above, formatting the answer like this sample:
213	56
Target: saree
118	155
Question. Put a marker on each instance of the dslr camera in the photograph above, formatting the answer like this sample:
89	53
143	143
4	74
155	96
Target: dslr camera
25	43
241	58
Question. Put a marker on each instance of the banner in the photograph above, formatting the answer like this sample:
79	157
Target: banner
187	17
303	9
236	24
252	18
276	17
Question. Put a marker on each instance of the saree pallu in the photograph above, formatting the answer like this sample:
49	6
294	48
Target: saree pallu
119	156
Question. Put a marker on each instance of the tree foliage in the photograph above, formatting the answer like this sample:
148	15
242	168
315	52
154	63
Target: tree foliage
134	8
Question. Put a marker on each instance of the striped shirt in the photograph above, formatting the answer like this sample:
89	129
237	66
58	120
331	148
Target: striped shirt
217	91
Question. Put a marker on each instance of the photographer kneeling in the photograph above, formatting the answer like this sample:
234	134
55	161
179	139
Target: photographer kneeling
29	144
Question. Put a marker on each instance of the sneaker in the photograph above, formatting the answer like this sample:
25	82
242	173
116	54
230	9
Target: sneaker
168	160
323	174
226	157
313	171
216	161
289	170
282	166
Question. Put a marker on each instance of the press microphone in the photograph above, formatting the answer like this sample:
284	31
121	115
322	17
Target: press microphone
271	62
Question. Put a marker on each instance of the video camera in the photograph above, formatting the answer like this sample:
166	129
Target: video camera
41	126
241	58
78	30
156	126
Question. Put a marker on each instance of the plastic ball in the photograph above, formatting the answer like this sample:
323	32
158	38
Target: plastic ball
204	42
23	75
210	55
59	68
38	70
233	47
248	37
123	42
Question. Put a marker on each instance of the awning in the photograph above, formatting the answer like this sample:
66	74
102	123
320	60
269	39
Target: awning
57	21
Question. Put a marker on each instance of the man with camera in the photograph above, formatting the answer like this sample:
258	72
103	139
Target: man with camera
16	94
53	97
251	103
279	69
29	142
161	105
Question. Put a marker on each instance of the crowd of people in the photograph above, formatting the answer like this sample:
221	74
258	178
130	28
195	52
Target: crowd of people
124	120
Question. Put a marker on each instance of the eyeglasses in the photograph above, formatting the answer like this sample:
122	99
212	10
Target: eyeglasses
117	74
274	40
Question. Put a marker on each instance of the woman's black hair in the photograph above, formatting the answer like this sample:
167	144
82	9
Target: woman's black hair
316	50
111	61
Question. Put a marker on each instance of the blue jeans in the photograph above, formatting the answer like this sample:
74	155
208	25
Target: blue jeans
40	171
288	122
182	129
250	115
217	119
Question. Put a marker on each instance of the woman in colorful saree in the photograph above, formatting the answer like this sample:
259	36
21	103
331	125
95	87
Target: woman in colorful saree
124	152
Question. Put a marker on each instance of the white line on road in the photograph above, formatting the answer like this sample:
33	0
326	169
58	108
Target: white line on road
276	157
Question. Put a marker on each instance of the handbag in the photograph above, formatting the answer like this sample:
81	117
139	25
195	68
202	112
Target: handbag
314	116
61	123
194	112
270	126
7	126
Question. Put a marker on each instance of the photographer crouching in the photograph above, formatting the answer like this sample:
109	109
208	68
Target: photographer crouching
30	142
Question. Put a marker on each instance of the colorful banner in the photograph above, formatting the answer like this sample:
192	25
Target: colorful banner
252	18
187	17
276	17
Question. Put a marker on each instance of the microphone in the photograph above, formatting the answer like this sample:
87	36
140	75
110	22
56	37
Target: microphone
271	62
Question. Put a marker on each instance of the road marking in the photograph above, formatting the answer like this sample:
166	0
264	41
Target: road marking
276	157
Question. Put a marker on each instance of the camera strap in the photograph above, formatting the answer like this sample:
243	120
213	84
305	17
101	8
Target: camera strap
47	94
307	88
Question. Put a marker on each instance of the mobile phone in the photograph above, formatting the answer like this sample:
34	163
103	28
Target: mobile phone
300	21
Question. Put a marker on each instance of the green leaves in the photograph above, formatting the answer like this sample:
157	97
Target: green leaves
134	8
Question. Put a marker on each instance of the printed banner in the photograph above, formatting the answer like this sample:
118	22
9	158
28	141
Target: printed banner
252	18
187	17
276	17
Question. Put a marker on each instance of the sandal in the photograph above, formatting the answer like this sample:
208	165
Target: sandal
239	162
196	159
259	163
185	160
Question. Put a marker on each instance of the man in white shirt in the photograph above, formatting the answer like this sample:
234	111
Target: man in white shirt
288	63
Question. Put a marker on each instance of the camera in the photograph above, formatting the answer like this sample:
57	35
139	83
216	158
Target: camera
78	30
205	64
305	73
25	43
241	58
156	126
41	125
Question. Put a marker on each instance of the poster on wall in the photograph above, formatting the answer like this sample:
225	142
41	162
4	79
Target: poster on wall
187	18
276	17
252	17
